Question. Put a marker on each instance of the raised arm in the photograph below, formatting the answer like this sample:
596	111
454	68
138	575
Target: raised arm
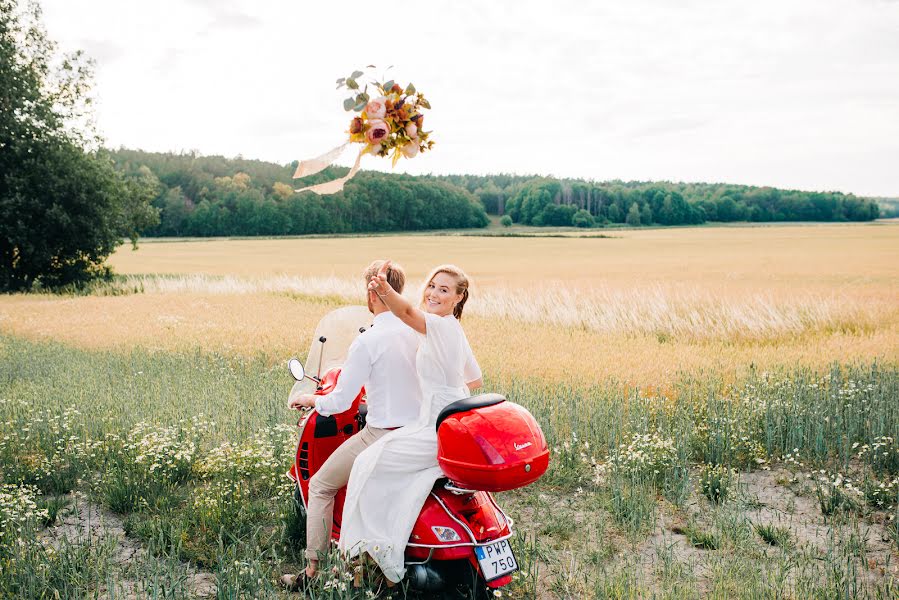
397	304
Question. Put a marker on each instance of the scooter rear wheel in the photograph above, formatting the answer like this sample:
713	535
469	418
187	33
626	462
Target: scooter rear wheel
465	583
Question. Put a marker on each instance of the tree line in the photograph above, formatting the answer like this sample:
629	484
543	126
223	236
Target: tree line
545	201
216	196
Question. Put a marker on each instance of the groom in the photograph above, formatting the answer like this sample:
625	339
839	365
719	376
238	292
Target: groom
382	359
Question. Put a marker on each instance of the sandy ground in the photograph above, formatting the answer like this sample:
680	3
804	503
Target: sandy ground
83	521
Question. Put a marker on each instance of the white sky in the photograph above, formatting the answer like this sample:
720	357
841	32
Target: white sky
791	93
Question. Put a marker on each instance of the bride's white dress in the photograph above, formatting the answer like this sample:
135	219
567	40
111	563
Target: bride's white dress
391	479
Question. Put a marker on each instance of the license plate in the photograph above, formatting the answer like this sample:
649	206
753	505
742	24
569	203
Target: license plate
496	559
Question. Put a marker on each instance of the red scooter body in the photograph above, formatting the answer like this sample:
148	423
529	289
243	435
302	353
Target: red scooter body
485	442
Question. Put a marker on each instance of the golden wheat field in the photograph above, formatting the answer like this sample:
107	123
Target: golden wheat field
639	306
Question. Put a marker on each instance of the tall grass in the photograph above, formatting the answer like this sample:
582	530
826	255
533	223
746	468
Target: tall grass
191	448
662	311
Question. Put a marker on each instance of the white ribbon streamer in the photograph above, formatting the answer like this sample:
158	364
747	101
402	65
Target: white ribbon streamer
316	165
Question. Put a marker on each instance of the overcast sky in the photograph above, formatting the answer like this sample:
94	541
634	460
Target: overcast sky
800	94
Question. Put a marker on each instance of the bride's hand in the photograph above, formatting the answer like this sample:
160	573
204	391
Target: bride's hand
379	283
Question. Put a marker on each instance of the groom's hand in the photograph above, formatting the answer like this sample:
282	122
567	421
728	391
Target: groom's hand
303	401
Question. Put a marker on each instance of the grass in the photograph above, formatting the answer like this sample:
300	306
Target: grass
251	322
774	535
669	369
209	495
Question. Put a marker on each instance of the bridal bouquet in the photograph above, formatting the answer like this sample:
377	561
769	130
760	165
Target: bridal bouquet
388	124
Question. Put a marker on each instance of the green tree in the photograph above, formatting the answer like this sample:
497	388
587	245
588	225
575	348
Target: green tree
646	214
582	218
491	196
614	213
506	221
63	206
633	215
137	214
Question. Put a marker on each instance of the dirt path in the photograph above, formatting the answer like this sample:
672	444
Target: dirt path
85	522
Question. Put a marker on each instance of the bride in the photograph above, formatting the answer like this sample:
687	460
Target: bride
391	480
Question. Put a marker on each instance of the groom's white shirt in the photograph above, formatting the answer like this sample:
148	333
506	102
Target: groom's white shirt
382	359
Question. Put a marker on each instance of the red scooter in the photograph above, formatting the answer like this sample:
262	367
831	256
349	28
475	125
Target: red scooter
485	444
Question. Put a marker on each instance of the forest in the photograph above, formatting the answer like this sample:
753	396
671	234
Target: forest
216	196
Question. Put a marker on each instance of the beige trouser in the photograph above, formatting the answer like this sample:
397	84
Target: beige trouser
325	484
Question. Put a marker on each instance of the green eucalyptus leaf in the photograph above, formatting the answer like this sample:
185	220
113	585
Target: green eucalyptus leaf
388	85
359	106
356	74
351	83
425	103
348	104
410	89
341	80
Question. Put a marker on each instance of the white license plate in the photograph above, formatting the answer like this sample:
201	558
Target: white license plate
496	559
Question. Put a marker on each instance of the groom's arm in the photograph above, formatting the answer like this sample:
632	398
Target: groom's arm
353	375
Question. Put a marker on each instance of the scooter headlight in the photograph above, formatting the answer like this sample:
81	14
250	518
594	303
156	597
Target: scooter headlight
446	534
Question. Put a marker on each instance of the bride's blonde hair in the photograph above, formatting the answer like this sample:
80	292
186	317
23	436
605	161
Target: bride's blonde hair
462	284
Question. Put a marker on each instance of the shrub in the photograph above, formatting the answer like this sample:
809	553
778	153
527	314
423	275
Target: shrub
148	463
506	221
647	456
18	512
836	494
582	218
882	455
716	482
882	495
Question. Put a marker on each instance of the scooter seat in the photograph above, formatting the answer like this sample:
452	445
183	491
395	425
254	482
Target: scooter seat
467	404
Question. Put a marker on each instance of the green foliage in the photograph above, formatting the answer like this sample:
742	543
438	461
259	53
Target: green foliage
492	197
228	505
63	207
631	500
716	482
666	203
633	215
702	539
215	196
774	535
614	214
582	218
837	494
506	221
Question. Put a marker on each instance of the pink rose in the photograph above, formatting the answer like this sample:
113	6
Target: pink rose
412	130
377	108
410	150
377	131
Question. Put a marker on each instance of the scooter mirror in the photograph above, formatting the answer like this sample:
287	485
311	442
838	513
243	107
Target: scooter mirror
296	369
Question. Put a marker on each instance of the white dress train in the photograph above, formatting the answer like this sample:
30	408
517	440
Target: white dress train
391	479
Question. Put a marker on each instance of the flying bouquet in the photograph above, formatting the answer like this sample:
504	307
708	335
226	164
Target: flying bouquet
389	124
